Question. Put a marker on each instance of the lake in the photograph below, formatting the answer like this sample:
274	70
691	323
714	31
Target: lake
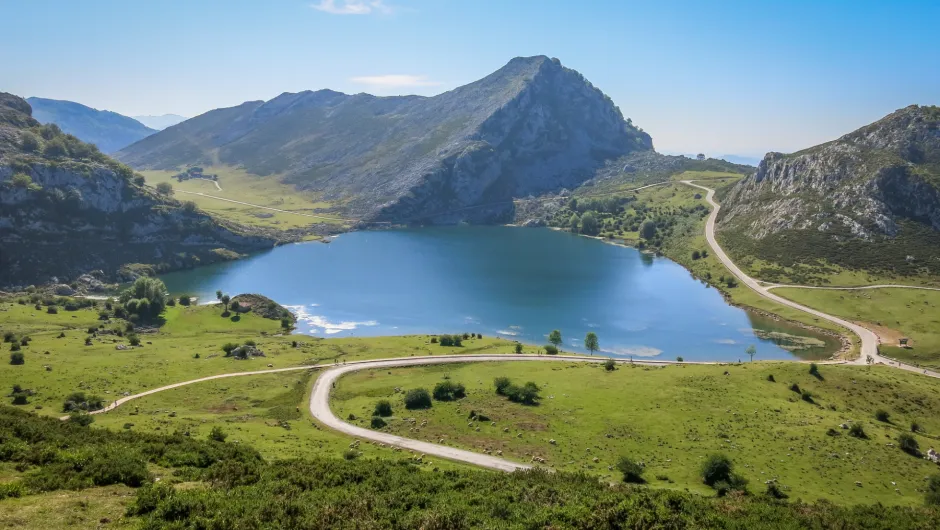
517	283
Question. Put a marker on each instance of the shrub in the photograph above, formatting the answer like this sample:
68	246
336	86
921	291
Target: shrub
451	340
718	472
610	365
932	495
134	340
417	398
909	444
807	396
771	378
20	398
915	426
350	454
229	347
518	347
501	384
550	349
814	371
17	358
383	408
377	422
8	336
796	388
433	340
448	391
882	415
774	491
52	310
80	417
15	346
165	188
186	300
79	401
632	472
857	431
528	394
217	434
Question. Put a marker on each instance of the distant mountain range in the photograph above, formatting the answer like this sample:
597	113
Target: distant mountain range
108	130
870	199
530	127
160	122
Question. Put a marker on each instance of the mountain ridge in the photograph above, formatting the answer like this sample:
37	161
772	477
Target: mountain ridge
108	130
529	127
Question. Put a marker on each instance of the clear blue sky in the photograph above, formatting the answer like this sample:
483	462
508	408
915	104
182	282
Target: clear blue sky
719	77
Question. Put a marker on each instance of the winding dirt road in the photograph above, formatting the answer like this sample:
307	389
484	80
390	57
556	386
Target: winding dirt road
869	340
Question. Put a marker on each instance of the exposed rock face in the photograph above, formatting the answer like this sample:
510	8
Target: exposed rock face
532	126
865	181
870	186
64	215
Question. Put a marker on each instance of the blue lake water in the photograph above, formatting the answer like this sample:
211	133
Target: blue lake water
518	283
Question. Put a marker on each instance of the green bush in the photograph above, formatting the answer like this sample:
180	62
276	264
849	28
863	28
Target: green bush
501	384
857	431
217	434
518	347
383	408
80	417
377	422
550	349
229	347
527	394
610	365
932	495
448	391
417	398
909	444
882	415
17	357
78	401
451	340
350	454
631	471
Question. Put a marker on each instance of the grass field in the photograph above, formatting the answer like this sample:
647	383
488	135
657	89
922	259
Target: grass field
239	185
671	418
892	313
85	509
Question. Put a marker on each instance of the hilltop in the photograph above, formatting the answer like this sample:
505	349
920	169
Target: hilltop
66	209
109	131
530	127
868	200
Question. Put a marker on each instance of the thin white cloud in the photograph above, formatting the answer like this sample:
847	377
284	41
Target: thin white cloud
395	81
353	7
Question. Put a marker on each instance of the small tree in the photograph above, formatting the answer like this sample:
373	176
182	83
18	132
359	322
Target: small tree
610	365
165	188
383	408
186	300
555	337
648	229
218	295
589	224
17	358
417	398
591	343
814	371
30	142
751	350
909	444
518	347
217	434
574	222
696	255
632	472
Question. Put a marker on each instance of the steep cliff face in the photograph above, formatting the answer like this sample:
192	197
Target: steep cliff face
531	126
871	187
66	209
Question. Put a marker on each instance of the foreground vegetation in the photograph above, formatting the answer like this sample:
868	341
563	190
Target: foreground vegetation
136	480
584	418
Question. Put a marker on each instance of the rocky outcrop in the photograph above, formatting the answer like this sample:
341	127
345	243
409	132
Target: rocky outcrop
532	126
868	187
66	209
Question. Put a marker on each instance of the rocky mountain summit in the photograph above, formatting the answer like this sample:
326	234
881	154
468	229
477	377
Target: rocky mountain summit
877	186
530	127
67	209
109	131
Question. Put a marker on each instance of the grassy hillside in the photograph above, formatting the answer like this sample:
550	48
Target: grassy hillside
238	185
672	418
892	313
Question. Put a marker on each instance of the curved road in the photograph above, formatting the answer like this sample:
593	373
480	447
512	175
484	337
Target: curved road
869	340
861	287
